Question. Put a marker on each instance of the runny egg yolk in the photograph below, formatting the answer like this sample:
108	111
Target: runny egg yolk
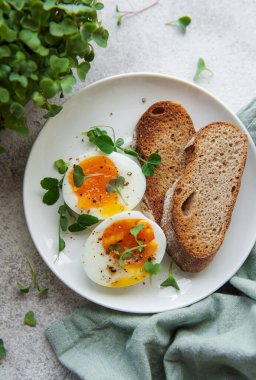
93	193
119	233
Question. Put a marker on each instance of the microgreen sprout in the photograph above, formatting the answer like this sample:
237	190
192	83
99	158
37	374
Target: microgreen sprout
30	319
135	231
152	269
182	22
170	281
108	145
128	252
53	185
61	166
79	176
83	222
122	14
201	66
34	281
115	185
63	226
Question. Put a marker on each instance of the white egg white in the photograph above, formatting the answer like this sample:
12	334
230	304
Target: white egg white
127	168
95	259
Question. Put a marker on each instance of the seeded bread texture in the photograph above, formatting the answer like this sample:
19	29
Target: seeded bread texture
166	128
198	209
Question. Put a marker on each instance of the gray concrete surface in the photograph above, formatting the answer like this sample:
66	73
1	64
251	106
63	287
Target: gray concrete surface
223	33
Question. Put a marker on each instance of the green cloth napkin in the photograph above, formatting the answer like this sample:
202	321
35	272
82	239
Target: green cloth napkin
211	339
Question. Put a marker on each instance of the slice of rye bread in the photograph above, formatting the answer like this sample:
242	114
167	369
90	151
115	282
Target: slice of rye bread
198	209
166	128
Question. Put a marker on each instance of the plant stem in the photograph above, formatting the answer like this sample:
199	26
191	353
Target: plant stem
133	13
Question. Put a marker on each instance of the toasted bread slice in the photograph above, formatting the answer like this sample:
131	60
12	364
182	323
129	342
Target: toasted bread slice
198	209
166	128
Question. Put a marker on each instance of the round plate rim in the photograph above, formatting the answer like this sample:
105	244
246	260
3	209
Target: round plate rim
109	79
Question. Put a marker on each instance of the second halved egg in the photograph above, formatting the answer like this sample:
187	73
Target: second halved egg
92	197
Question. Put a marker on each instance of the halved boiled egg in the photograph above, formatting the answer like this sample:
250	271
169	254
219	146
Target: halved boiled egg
92	196
116	251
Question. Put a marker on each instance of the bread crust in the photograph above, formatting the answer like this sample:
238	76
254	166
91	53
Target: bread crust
166	128
178	228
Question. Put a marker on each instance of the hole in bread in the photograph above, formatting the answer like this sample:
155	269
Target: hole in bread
233	189
158	111
188	204
178	191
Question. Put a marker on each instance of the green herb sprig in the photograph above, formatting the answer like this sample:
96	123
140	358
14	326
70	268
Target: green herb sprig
108	145
79	176
127	253
34	281
182	22
116	185
53	185
63	226
170	281
43	44
30	319
2	349
135	231
152	269
201	67
83	222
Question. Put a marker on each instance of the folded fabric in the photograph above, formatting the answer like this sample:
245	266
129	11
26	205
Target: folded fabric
212	339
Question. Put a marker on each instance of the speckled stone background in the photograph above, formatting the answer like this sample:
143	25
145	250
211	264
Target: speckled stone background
223	33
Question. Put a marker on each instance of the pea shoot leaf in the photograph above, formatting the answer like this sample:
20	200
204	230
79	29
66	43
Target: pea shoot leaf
51	196
135	231
182	22
78	176
201	67
114	247
104	143
148	170
49	183
115	186
170	281
151	268
61	166
83	221
30	319
154	159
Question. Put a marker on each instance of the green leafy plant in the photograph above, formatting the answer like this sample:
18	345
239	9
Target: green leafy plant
34	281
30	319
42	44
152	269
2	349
107	145
116	185
182	22
170	281
201	66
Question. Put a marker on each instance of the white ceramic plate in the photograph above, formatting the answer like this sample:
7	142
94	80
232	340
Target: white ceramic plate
117	101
